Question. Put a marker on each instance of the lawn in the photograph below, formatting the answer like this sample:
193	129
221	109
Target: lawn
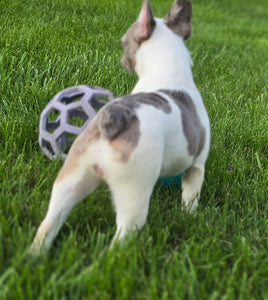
222	251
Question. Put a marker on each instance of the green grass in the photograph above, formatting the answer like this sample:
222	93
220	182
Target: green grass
222	252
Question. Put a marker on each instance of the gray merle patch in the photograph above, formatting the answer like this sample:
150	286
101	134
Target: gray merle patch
193	129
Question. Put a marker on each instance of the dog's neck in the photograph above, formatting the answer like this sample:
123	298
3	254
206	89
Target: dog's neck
163	61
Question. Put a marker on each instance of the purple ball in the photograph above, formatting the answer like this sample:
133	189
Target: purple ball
67	115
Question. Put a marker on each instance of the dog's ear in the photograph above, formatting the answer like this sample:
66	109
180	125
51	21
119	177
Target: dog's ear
145	23
179	18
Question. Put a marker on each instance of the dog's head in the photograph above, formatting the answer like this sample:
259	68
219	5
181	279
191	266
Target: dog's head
178	21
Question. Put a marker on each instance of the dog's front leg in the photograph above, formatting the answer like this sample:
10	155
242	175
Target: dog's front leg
191	187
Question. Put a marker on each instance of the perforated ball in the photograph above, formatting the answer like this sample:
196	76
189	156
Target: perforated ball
67	115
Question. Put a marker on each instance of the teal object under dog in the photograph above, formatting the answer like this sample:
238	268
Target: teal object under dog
171	181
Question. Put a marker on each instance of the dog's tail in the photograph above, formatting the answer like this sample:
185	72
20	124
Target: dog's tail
115	119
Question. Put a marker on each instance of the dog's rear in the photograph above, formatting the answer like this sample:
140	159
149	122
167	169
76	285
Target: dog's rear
162	128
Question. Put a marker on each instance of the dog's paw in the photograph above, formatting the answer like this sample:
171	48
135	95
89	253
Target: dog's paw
190	207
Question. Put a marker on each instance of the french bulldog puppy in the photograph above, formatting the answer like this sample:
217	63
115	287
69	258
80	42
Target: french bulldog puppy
160	129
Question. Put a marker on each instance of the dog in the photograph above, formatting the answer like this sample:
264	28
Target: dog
161	129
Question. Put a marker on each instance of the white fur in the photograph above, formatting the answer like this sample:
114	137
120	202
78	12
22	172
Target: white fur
162	62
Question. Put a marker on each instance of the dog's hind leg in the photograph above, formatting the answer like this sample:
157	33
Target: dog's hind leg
191	187
131	197
71	186
131	205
